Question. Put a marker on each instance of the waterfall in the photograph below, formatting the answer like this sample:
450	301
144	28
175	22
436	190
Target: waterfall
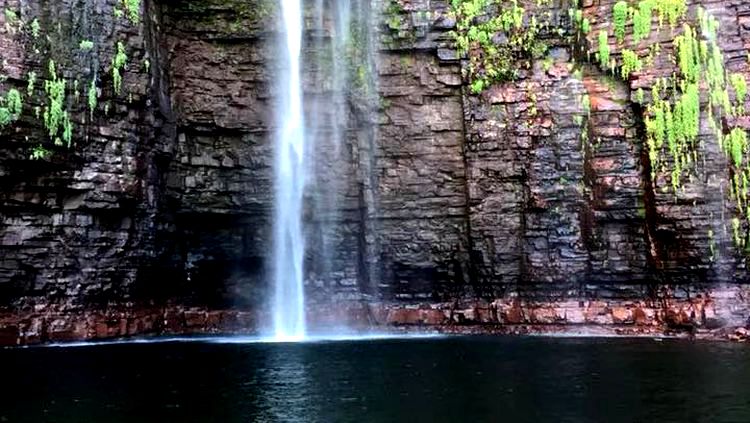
291	175
316	163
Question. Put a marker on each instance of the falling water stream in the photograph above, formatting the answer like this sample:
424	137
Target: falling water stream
311	159
289	301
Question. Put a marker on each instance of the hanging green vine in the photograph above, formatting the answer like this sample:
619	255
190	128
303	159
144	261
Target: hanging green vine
642	18
619	18
11	107
118	63
740	90
92	97
603	53
56	118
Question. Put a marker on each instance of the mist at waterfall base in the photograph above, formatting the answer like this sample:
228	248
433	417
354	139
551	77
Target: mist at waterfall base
440	379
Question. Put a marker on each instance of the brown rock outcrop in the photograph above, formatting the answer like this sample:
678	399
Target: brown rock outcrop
455	210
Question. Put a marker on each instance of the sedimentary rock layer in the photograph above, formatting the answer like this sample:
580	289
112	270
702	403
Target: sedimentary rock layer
453	208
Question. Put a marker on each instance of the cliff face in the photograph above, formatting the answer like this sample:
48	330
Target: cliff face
519	205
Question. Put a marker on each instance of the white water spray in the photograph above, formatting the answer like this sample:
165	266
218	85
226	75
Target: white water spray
289	297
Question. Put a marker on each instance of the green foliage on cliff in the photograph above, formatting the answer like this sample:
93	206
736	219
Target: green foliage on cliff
92	97
642	17
672	117
11	20
585	26
736	143
677	124
56	118
603	53
5	117
85	45
10	107
630	63
13	102
736	232
670	10
478	22
586	104
31	82
581	24
118	63
619	18
394	15
640	96
740	90
39	153
35	28
656	127
130	9
688	54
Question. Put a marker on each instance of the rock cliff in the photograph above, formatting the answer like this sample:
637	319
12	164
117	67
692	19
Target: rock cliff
532	203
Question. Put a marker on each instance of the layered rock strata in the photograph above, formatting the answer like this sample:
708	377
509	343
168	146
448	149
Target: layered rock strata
455	211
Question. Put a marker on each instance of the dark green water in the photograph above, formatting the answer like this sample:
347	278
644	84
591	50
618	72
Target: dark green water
461	379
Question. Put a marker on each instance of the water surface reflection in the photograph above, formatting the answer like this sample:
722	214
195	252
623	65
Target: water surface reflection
450	379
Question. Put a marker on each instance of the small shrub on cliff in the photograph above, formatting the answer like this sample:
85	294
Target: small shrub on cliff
39	153
86	45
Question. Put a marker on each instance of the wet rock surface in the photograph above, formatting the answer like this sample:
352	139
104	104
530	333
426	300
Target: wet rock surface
455	210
